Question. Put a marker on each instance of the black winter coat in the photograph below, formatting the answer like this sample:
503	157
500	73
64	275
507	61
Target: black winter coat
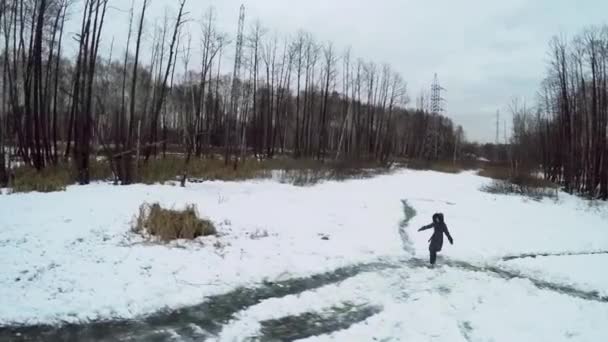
436	241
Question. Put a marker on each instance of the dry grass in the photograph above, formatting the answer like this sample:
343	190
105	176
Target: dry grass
509	188
524	183
168	224
445	166
99	170
524	178
171	168
498	172
298	171
53	178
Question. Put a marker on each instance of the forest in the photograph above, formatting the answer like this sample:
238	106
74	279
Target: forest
260	95
287	95
565	133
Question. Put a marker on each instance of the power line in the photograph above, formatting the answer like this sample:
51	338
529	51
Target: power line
497	127
238	56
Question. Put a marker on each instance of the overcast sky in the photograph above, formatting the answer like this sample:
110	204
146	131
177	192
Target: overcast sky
484	51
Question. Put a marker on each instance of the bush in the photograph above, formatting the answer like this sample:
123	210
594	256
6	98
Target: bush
445	166
171	168
159	170
99	170
522	182
311	172
528	180
168	225
52	178
498	172
295	171
507	187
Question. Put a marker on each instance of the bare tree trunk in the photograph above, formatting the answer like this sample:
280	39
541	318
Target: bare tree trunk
120	122
163	87
126	159
330	60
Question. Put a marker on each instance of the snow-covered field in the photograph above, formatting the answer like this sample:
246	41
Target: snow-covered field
587	272
70	257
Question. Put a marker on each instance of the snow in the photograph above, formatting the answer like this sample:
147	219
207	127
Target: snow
585	272
440	305
56	257
246	324
485	304
70	256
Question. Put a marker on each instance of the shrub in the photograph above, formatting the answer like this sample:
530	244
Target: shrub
294	171
159	170
310	172
171	168
440	166
496	171
528	180
521	182
168	225
52	178
99	170
507	187
55	177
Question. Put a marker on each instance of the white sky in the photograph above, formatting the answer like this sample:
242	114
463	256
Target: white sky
485	51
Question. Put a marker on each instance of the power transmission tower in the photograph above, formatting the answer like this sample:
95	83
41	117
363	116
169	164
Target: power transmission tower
436	100
432	143
236	87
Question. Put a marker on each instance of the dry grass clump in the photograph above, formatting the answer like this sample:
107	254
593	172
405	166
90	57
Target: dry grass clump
535	192
521	182
53	178
444	166
169	224
171	168
497	172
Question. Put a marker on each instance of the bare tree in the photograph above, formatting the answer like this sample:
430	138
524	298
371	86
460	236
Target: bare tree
160	99
211	43
294	97
329	74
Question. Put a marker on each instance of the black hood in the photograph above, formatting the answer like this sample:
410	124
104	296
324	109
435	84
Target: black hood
438	218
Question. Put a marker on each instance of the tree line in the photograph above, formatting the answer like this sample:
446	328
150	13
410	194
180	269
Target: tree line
566	134
292	95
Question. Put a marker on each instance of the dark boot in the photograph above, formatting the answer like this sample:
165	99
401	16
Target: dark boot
433	256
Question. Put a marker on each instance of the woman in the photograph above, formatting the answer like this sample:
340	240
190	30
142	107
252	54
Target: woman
436	241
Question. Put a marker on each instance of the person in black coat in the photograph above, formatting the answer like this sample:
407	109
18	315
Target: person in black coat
436	241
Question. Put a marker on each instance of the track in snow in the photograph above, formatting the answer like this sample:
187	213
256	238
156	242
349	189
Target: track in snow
536	255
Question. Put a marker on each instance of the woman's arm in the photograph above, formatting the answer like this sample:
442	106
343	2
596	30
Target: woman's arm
432	225
447	233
